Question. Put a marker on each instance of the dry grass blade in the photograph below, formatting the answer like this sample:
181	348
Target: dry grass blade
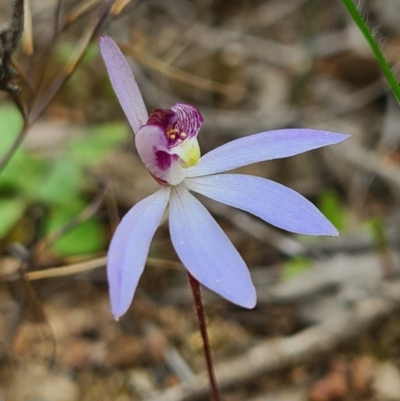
184	42
80	10
118	7
176	74
83	267
41	103
66	270
27	36
57	12
79	50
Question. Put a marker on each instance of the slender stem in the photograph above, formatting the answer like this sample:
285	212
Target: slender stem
369	37
201	319
4	159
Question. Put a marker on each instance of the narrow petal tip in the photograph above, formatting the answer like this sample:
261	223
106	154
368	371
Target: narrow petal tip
123	83
345	136
337	137
250	302
331	230
326	229
129	248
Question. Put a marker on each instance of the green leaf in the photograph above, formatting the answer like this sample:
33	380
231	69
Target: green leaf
62	184
21	170
377	230
24	174
373	44
330	206
98	144
11	123
87	237
295	267
64	50
11	210
91	54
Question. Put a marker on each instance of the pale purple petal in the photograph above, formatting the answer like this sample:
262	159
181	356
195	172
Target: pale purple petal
272	202
129	249
263	146
190	119
124	83
206	251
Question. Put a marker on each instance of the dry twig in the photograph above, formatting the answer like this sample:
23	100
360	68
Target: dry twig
180	75
276	354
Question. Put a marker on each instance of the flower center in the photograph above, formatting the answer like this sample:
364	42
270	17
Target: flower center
178	141
173	134
168	121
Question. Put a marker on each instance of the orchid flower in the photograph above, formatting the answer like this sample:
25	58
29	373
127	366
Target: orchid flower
166	142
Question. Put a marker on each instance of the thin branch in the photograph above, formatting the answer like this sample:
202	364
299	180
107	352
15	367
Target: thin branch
79	11
275	354
10	38
42	102
180	75
57	12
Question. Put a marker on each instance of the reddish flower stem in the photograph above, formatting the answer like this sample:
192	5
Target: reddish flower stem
201	319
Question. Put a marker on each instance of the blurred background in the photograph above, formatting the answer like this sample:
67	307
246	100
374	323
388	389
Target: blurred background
326	326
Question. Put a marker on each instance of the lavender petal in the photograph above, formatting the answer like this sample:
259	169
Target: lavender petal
268	200
263	146
129	249
124	83
206	251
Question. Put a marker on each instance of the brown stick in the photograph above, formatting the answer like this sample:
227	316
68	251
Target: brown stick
201	319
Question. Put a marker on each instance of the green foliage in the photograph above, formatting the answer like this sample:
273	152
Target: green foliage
295	267
64	51
59	185
86	237
377	230
11	211
330	205
79	86
91	152
10	124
